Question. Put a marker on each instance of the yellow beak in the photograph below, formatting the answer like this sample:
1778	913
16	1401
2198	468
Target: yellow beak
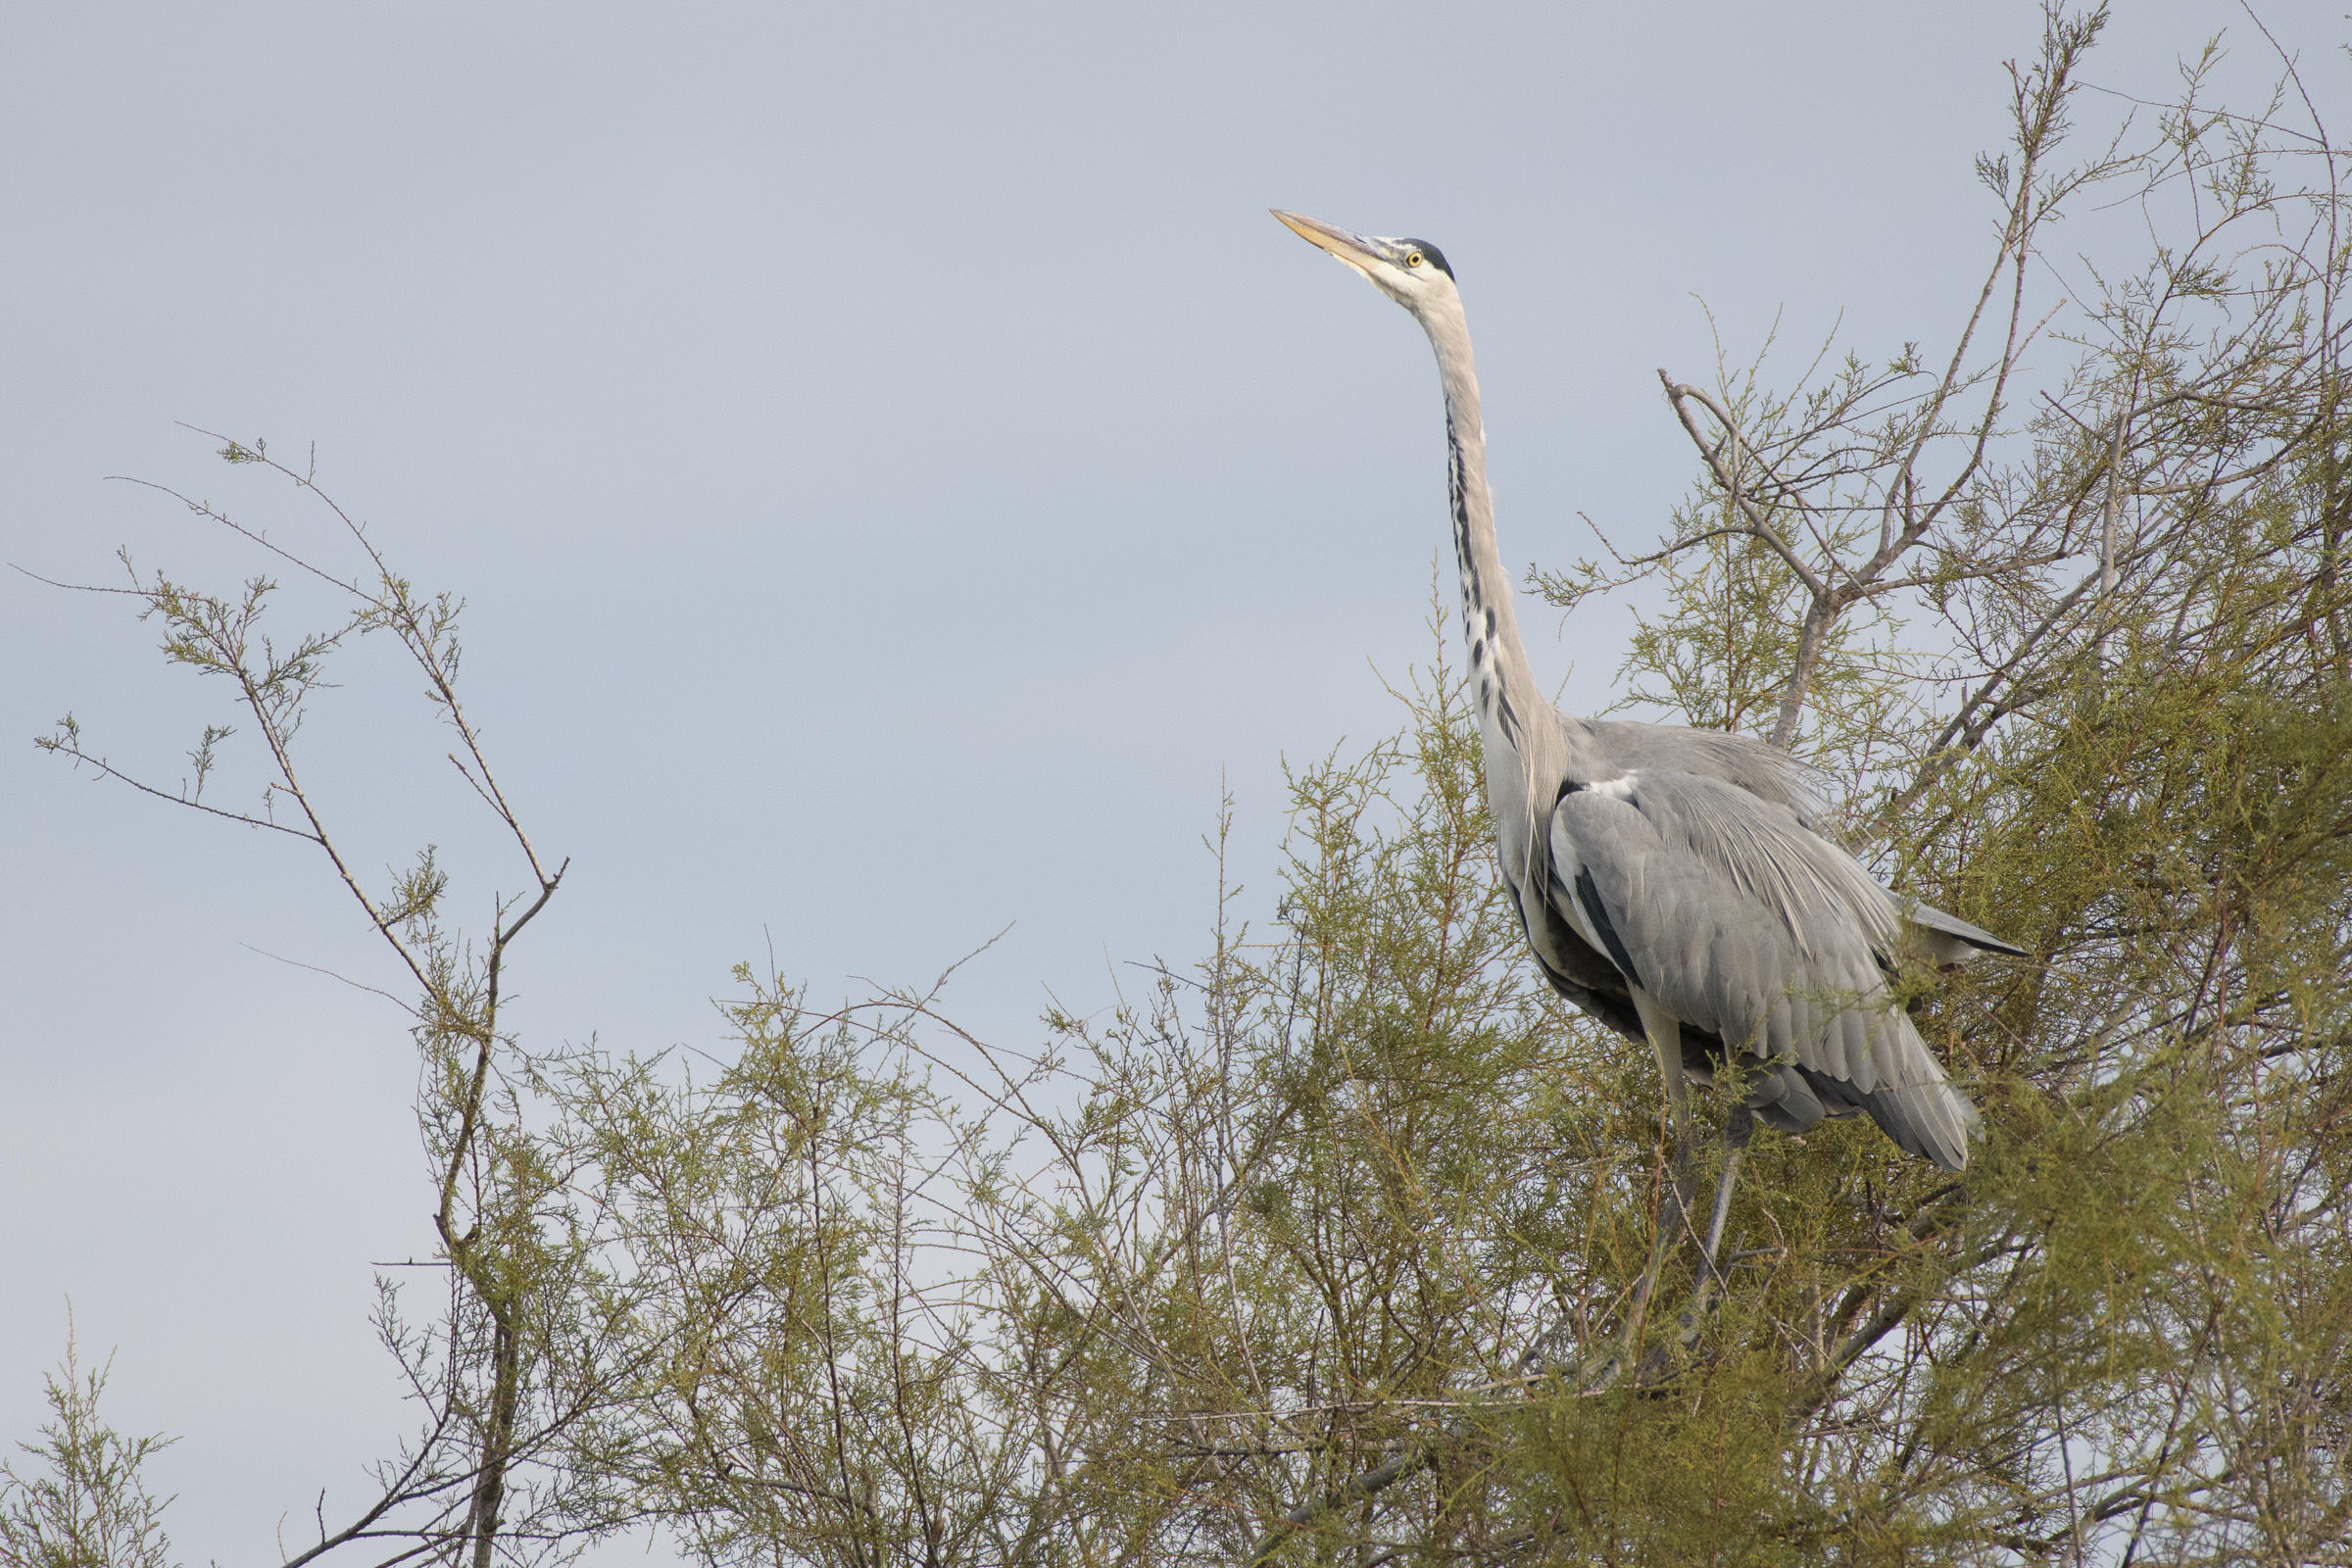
1354	249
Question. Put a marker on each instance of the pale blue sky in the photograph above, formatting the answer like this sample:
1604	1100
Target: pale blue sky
898	471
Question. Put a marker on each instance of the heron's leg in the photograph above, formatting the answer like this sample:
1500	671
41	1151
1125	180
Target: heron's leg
1665	1033
1738	1128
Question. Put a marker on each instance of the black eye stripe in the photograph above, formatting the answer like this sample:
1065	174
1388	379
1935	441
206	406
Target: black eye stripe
1428	253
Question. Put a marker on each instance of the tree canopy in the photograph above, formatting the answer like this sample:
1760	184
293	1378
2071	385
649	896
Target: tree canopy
1305	1254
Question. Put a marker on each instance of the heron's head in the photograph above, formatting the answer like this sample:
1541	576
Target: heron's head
1410	271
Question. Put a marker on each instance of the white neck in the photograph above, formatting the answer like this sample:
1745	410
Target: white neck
1510	703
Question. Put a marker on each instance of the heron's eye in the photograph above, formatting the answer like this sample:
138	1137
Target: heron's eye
1413	259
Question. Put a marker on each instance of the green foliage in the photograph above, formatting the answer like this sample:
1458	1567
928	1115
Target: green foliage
1326	1248
83	1502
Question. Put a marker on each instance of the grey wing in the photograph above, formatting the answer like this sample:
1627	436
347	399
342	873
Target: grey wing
1570	964
1757	766
1746	925
1772	775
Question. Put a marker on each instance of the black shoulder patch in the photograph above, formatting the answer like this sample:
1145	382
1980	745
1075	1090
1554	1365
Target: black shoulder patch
1437	257
1589	895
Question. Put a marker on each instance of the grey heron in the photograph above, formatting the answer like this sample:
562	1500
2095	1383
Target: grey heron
1676	883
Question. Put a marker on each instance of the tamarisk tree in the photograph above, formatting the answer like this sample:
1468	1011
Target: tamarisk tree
1294	1254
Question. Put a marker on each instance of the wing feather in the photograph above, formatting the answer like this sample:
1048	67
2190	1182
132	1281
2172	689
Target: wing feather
1769	774
1756	766
1747	925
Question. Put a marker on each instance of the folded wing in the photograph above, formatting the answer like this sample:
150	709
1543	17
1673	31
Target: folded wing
1746	924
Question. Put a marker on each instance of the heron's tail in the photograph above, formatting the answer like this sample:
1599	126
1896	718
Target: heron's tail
1926	1117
